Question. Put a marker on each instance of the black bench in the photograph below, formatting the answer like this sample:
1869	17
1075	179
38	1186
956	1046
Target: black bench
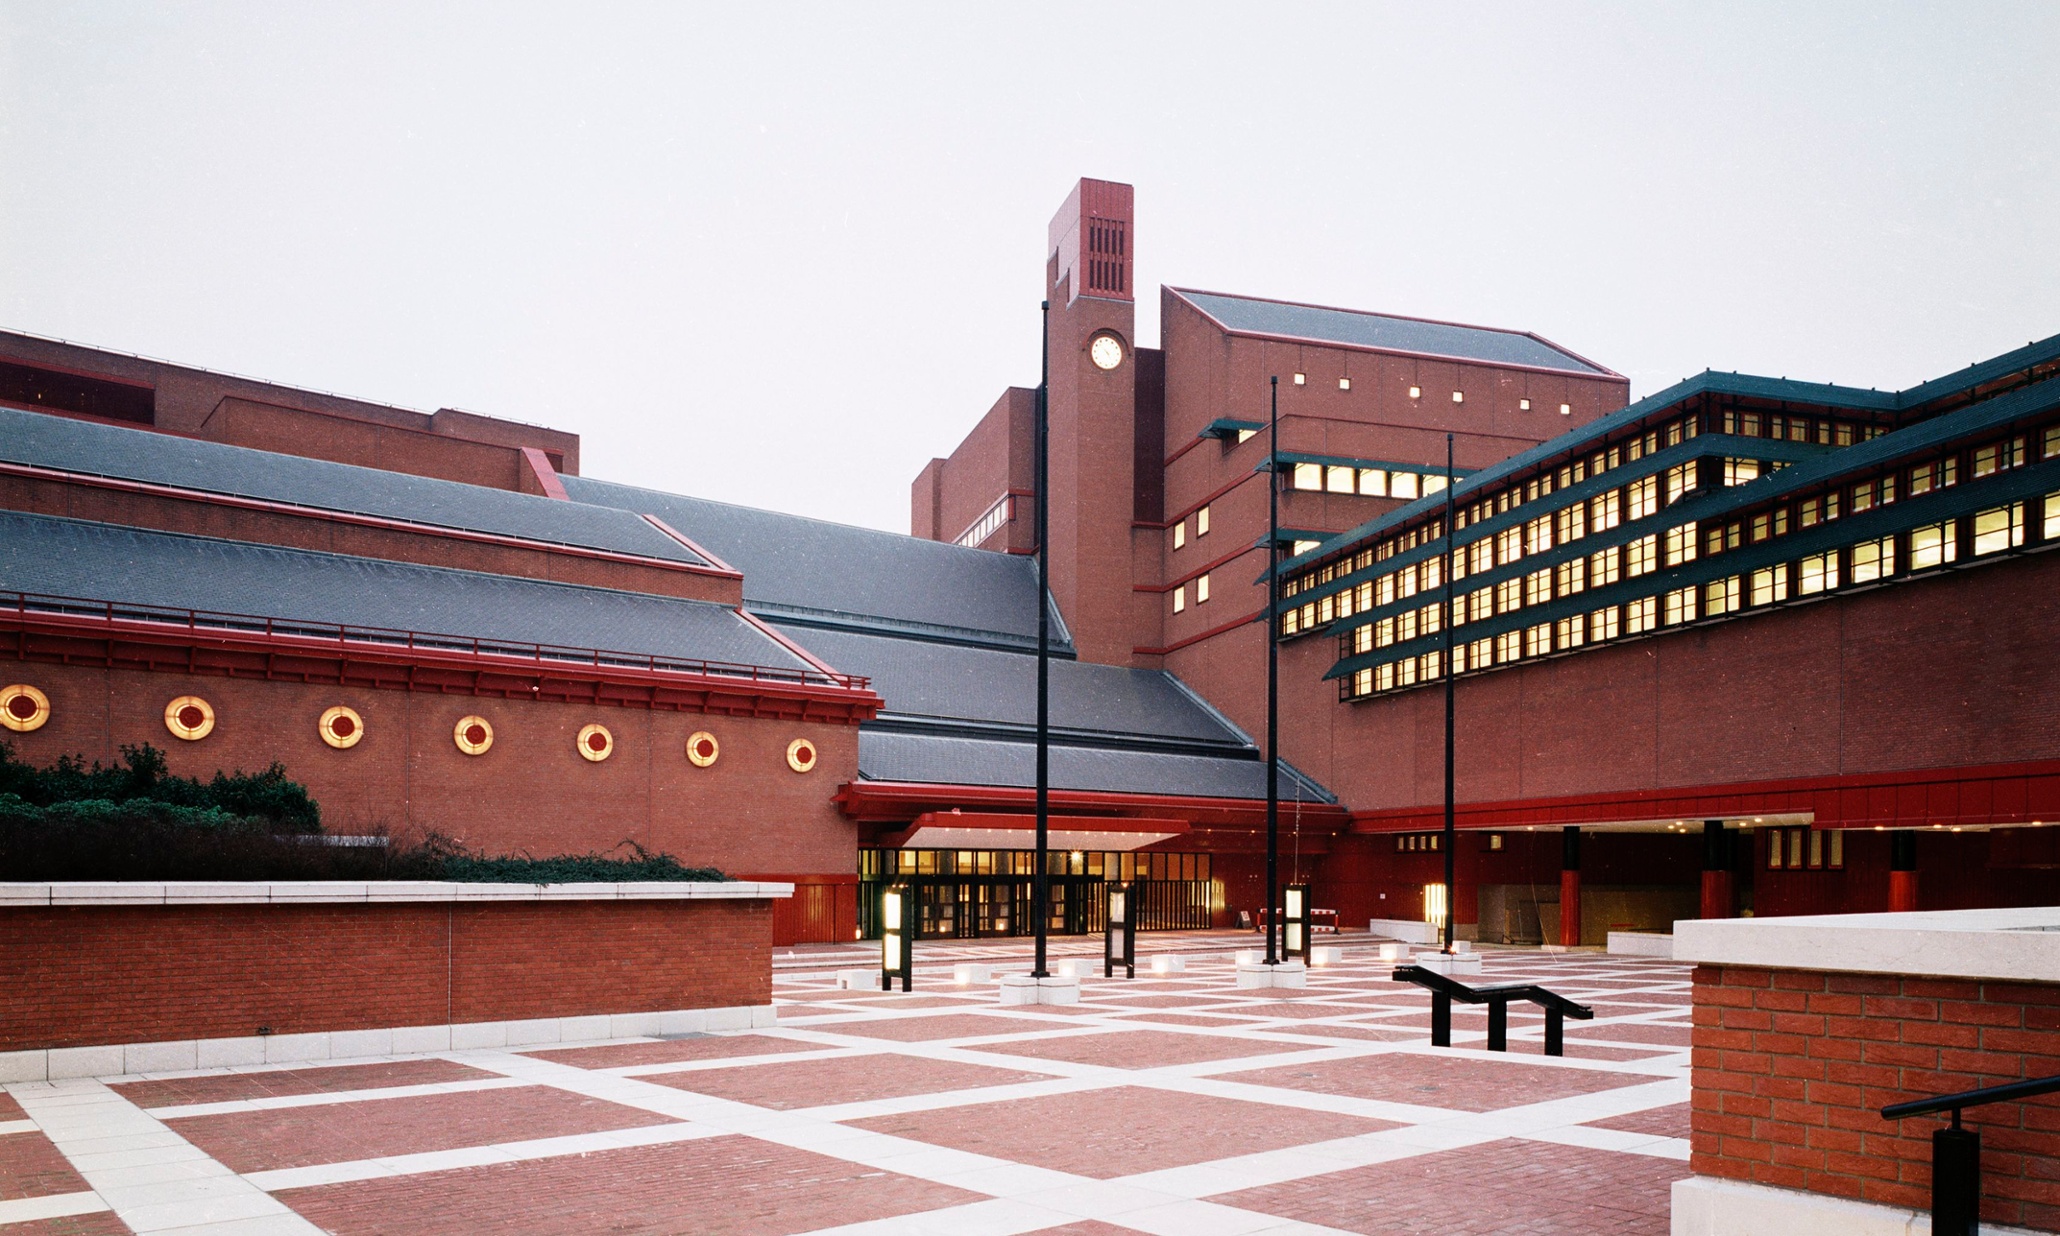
1445	989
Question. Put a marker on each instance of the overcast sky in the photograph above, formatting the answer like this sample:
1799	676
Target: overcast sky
783	255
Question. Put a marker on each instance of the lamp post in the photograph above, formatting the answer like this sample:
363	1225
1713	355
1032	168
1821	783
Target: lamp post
1451	825
897	949
1273	675
1119	938
1040	886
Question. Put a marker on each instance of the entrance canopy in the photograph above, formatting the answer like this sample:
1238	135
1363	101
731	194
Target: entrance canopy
981	830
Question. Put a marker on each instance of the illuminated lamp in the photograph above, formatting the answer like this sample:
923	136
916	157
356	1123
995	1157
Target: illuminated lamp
190	717
595	743
341	727
1119	939
1434	905
897	948
1294	921
474	735
702	749
23	708
801	755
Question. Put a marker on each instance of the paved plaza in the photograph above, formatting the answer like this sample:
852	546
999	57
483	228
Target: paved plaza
1175	1104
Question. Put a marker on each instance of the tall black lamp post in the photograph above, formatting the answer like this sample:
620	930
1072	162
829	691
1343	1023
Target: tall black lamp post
1040	894
1451	826
1273	677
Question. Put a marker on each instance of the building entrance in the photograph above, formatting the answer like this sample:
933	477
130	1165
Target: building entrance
973	894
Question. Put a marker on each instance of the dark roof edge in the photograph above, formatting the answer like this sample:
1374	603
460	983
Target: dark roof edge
1064	736
889	628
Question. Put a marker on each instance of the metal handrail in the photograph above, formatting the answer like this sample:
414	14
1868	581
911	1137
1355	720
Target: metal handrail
2030	1089
343	634
1444	990
1956	1151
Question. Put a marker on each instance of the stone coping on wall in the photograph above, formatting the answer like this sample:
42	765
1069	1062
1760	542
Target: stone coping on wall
2012	945
316	892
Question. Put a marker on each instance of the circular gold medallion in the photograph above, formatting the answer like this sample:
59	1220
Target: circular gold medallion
341	727
702	749
473	735
23	708
596	743
190	717
801	755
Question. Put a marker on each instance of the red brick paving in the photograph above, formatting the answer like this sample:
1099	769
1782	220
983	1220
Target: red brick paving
1161	1000
948	1026
1139	1049
718	1186
9	1109
1437	1081
102	1224
1356	1030
1110	1133
672	1051
1498	1189
313	1079
376	1128
1301	1008
900	1001
1669	1121
31	1166
1635	1032
844	1079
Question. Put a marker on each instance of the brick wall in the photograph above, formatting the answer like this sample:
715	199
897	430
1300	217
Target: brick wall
1793	1067
85	975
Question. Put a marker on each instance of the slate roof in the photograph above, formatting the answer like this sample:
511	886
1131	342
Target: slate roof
835	573
1246	315
166	459
76	558
889	756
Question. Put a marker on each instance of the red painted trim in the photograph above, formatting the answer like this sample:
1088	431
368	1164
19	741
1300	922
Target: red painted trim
1211	633
1912	798
901	801
1606	375
692	544
546	476
1242	479
775	636
181	494
1199	571
1058	823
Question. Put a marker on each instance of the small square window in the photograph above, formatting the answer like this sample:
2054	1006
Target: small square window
1301	378
1523	405
1458	396
1565	410
1180	534
1416	392
1344	384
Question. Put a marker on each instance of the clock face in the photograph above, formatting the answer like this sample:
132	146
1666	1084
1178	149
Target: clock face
1106	351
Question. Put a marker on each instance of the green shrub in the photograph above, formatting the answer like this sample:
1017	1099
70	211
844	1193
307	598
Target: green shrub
143	775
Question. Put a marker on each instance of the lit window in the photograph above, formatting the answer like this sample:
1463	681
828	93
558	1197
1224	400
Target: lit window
1458	397
1538	587
1644	496
1641	555
1571	632
1340	480
1602	624
1300	379
1373	482
1739	471
1509	545
1565	410
1538	640
1680	606
1605	565
1180	598
2051	529
1680	479
1769	584
1873	559
1819	573
1933	546
1999	529
1721	596
1344	384
1303	547
1509	595
1384	676
1640	615
1538	535
1362	682
1433	482
1402	485
1180	534
1523	405
1509	646
1309	476
1680	544
1572	522
1246	435
1481	653
1605	511
1480	604
1571	577
1202	589
1202	522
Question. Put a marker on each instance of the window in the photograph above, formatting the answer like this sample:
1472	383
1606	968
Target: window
1433	482
1344	384
1180	534
1774	523
1572	577
1605	511
1202	591
1571	524
1538	535
1373	482
1509	595
1999	529
1641	615
1416	392
1458	397
1246	435
1641	556
1680	479
1180	599
2051	443
1998	456
1819	510
1721	596
1605	565
1933	546
1873	559
1202	522
1566	409
1303	547
1523	405
1602	624
1572	632
1819	573
1739	471
1769	584
1509	647
1680	606
1538	640
2051	530
1480	604
1642	497
1301	378
1362	682
1680	544
1538	587
1340	480
1308	476
1786	848
1480	556
1402	485
1509	545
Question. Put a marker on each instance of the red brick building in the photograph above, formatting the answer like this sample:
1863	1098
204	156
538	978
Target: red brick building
1808	616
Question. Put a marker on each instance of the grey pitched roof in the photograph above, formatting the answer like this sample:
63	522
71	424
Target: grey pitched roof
1379	330
813	569
924	679
888	756
166	459
75	558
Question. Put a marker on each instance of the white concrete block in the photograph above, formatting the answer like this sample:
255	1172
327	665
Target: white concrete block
85	1062
172	1057
408	1039
24	1066
1074	967
583	1029
1705	1206
633	1025
471	1036
1325	955
1389	950
1641	944
737	1017
1407	930
1167	963
352	1044
1449	963
532	1031
966	973
1286	974
231	1053
1250	956
857	980
1022	989
683	1021
292	1048
764	1016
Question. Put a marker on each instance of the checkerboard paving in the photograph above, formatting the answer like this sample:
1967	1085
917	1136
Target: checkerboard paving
1178	1104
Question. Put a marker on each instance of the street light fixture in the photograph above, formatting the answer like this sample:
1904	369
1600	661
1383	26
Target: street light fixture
897	947
1119	938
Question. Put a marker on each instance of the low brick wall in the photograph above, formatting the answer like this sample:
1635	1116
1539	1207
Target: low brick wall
87	974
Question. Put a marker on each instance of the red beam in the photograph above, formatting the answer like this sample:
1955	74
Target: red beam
902	801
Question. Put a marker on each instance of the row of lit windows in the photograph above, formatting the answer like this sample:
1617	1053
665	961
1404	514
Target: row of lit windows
1110	865
1180	527
1201	583
1987	532
1366	482
1786	849
1003	510
1820	430
1416	392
